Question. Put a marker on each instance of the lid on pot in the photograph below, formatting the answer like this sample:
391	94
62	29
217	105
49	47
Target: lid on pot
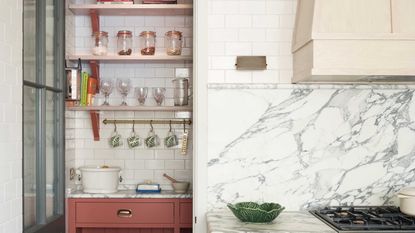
100	169
409	191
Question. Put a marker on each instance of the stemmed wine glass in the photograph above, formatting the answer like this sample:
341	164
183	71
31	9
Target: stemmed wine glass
158	94
141	93
123	86
106	87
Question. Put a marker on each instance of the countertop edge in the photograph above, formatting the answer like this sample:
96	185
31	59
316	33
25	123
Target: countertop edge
128	194
223	221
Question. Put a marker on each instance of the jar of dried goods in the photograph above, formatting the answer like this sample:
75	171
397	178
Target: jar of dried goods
173	43
99	43
148	42
125	42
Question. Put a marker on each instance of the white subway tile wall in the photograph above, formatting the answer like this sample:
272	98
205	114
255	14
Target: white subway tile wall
139	164
250	27
11	116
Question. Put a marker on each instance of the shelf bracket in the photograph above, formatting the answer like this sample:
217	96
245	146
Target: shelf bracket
95	73
94	20
94	65
95	124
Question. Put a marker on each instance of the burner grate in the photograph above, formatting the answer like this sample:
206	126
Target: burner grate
366	218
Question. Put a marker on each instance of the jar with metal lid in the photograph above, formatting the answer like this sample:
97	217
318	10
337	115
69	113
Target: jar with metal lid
125	42
148	43
99	43
173	43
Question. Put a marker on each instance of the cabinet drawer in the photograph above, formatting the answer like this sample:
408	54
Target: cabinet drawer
132	213
186	215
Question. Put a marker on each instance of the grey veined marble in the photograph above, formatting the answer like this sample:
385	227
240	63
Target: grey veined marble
310	147
127	194
288	222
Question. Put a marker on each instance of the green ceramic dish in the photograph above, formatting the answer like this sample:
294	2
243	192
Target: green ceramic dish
256	213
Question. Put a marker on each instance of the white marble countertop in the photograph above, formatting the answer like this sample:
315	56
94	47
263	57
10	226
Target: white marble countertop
223	221
127	194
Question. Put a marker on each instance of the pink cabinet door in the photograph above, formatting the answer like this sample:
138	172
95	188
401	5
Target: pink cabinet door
186	216
125	213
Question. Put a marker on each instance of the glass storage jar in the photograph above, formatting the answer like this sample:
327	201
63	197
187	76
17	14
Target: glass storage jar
99	43
173	43
124	42
148	43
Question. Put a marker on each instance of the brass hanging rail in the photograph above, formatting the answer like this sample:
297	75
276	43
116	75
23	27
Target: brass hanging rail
154	122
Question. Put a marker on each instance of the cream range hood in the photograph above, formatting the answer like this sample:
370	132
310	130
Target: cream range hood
354	41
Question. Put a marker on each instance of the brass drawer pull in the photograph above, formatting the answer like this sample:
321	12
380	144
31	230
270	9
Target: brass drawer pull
124	213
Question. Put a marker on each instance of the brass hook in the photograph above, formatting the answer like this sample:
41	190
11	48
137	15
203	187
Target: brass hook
151	125
115	125
133	126
170	126
184	126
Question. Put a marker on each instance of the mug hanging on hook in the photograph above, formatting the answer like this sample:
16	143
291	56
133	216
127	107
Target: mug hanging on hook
115	140
133	141
171	139
152	139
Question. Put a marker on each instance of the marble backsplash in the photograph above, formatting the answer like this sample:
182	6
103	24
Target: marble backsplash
308	146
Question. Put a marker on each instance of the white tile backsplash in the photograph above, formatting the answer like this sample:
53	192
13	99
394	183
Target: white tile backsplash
252	7
134	161
238	21
248	27
139	164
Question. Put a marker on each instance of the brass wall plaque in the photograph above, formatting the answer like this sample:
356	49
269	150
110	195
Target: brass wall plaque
251	63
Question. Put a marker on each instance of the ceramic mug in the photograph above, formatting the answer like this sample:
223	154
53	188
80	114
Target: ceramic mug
133	141
115	140
171	140
152	140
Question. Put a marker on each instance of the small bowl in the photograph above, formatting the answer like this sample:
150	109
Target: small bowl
256	213
180	187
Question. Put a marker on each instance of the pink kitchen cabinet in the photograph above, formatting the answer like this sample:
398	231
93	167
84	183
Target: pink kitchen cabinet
88	215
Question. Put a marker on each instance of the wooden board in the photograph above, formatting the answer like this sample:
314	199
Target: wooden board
352	16
133	10
403	16
132	58
133	108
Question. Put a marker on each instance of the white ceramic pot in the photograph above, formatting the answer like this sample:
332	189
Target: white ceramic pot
407	200
100	179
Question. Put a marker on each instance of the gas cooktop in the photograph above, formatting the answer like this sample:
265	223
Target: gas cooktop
383	219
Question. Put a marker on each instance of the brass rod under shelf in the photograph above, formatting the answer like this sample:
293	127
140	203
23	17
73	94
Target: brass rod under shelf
154	122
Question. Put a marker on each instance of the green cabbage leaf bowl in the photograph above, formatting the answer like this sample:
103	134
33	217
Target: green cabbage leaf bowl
256	213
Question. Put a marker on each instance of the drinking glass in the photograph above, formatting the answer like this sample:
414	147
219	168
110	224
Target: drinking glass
141	93
158	94
106	86
123	86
